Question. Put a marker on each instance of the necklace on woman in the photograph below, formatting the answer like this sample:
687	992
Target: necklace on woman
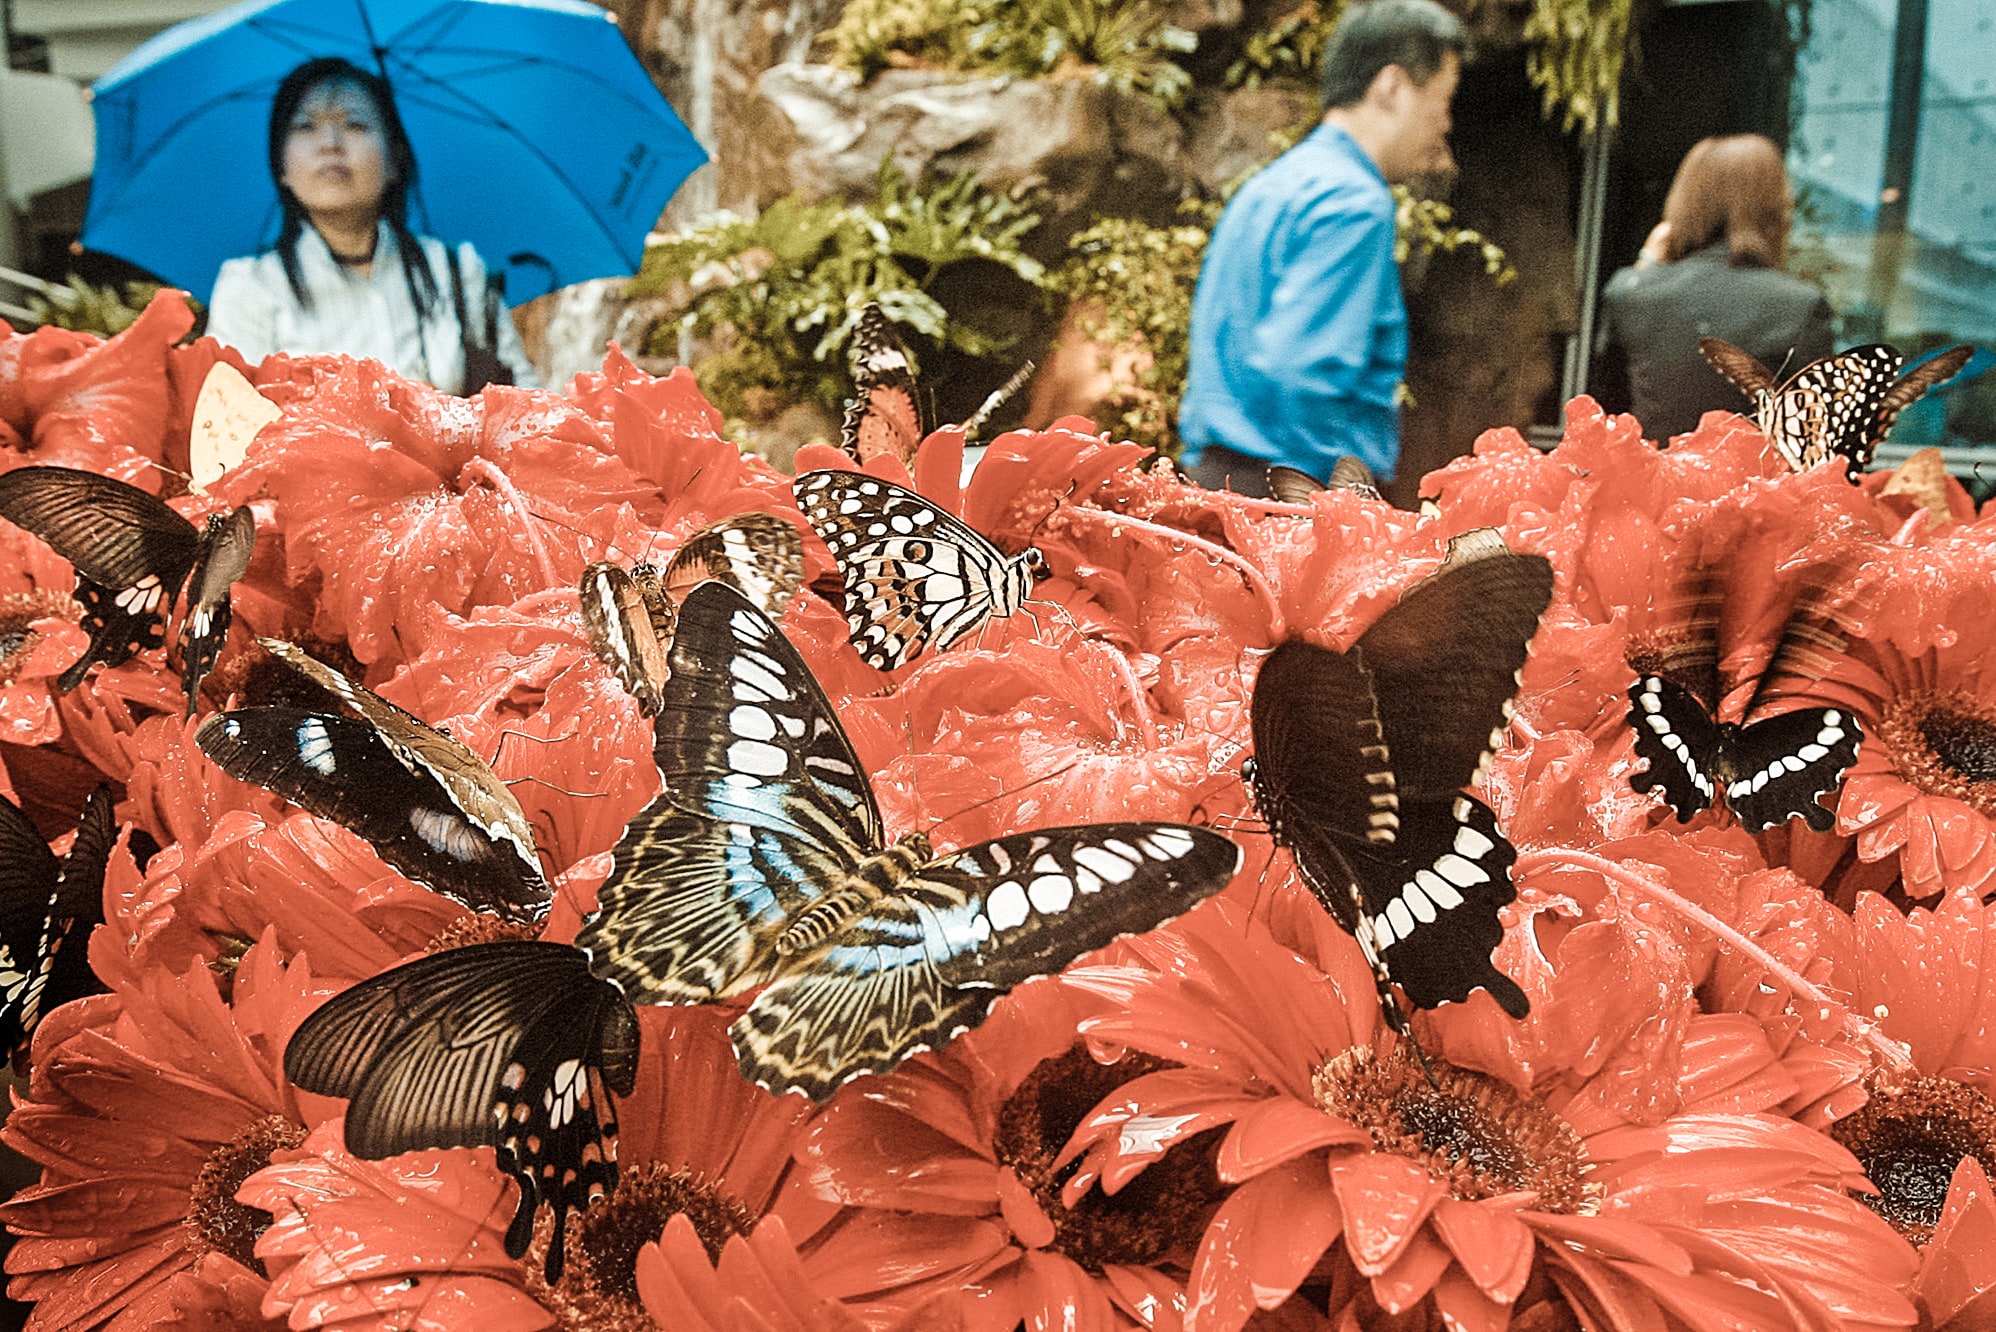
353	260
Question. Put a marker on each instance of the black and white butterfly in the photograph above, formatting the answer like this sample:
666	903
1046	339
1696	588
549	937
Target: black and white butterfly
132	555
429	806
1292	485
1842	405
1360	762
917	579
764	866
1768	768
47	910
513	1045
629	615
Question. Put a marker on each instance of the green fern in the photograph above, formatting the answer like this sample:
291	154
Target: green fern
781	293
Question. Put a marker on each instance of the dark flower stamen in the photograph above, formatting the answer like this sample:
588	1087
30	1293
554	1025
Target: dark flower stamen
477	928
1909	1139
18	637
1473	1132
1945	744
598	1291
215	1221
1159	1212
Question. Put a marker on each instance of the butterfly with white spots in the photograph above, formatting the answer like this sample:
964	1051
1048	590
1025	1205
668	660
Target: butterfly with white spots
1842	405
47	910
1362	757
916	578
764	866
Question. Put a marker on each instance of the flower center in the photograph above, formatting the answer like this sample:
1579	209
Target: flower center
1910	1140
1160	1211
598	1291
18	638
215	1221
1473	1132
1945	744
476	928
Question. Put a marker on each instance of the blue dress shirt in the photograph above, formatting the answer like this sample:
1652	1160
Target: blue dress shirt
1299	330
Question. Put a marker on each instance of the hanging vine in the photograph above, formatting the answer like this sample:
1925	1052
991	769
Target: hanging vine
1575	57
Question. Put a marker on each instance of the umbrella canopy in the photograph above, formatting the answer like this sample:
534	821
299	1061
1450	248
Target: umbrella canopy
538	135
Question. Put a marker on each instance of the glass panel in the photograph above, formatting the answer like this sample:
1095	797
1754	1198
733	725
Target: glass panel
1936	285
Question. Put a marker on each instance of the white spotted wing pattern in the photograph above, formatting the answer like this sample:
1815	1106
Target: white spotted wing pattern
763	866
916	578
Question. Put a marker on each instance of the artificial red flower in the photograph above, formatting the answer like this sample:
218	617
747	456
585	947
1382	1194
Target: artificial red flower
1486	1192
77	400
962	1219
697	1144
1927	1135
146	1109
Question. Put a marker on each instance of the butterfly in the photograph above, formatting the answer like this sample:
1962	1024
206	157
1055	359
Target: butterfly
427	804
132	554
1293	486
1765	772
764	866
883	416
513	1045
228	413
47	910
1843	404
916	578
629	615
1360	762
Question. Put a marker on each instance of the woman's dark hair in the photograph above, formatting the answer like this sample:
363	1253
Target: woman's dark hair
1416	35
401	174
1732	189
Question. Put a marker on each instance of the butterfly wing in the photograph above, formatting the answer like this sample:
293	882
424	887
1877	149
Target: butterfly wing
1746	372
30	929
1292	485
1910	388
916	578
622	634
1782	765
1829	407
130	550
340	770
882	417
1445	662
514	1045
478	794
228	413
224	558
923	963
747	735
1678	739
760	555
693	906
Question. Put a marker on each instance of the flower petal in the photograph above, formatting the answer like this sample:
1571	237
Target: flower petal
1492	1244
1385	1199
1261	1245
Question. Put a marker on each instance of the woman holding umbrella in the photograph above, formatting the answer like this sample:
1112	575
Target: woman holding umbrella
347	274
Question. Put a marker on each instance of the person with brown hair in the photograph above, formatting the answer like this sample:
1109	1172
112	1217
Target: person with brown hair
1710	269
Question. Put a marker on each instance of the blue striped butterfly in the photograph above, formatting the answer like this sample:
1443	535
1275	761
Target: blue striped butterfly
764	866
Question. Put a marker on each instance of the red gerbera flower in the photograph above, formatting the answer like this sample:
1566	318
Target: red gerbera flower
962	1210
698	1148
1475	1196
145	1111
1927	1135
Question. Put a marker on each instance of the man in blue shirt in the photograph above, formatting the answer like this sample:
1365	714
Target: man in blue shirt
1299	330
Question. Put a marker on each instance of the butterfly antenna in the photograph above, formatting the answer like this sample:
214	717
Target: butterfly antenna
999	397
1420	1055
972	808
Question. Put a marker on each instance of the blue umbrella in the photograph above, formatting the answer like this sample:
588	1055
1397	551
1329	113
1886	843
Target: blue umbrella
538	135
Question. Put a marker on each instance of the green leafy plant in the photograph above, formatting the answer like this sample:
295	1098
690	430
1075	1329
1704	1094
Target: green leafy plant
1292	47
779	294
1428	225
1575	56
79	304
1127	43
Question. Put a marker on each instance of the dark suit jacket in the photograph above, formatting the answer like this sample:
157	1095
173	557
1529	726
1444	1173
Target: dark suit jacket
1654	317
